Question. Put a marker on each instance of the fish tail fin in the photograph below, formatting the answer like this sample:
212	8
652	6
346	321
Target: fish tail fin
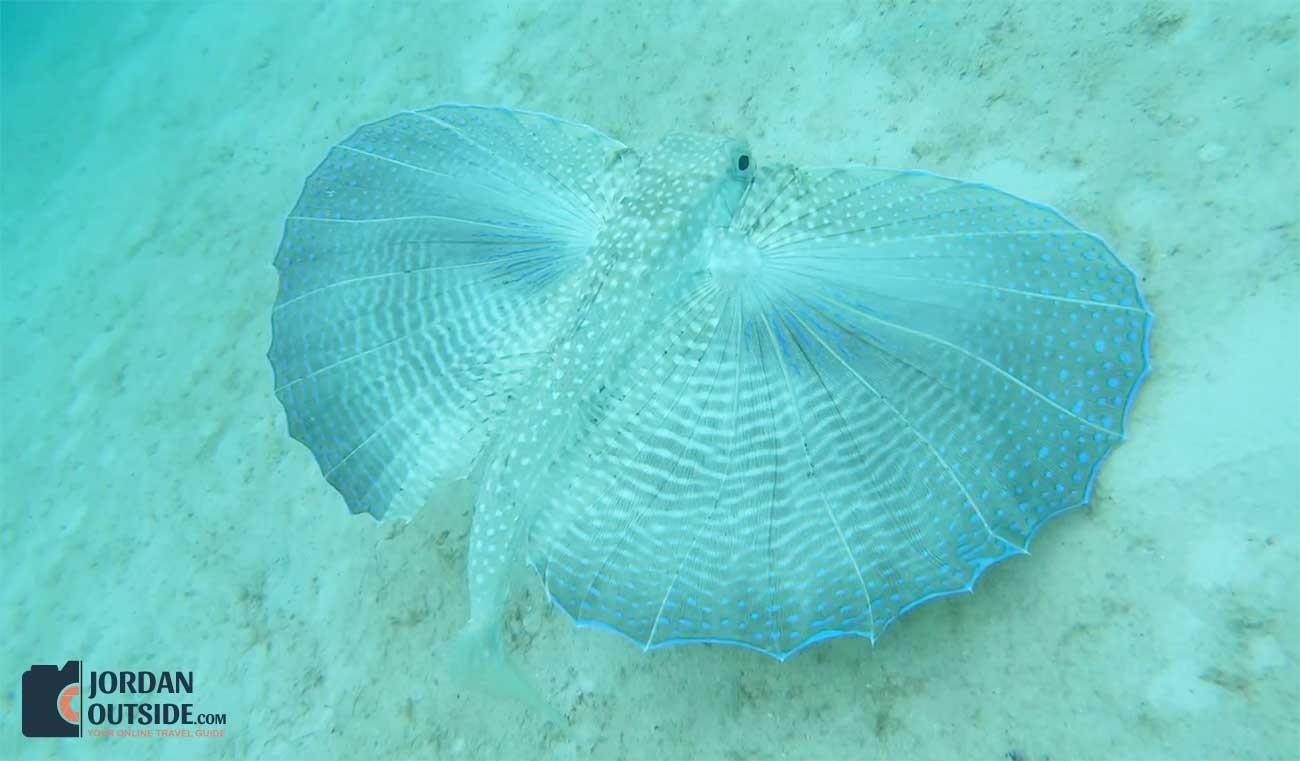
478	660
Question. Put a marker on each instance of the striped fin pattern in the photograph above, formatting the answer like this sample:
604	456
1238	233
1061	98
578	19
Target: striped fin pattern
914	375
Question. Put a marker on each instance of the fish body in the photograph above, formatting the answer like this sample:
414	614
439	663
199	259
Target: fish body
708	399
635	277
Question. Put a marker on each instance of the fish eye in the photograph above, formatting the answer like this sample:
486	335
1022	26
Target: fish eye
740	166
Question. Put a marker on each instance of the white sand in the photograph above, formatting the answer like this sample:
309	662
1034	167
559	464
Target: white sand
157	515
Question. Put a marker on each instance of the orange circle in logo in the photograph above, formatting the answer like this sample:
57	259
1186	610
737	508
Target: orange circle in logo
70	711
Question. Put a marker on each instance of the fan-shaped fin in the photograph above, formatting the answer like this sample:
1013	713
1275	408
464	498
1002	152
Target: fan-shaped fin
415	276
916	375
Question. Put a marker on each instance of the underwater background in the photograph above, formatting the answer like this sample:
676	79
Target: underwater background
156	514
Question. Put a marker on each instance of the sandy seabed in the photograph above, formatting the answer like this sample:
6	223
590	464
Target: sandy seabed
156	515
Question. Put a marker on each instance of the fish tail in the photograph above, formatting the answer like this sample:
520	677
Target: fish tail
478	660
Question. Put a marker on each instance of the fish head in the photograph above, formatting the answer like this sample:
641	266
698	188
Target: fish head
702	175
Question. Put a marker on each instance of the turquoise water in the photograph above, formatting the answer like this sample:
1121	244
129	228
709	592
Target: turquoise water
157	515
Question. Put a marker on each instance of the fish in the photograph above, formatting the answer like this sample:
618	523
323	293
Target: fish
708	399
